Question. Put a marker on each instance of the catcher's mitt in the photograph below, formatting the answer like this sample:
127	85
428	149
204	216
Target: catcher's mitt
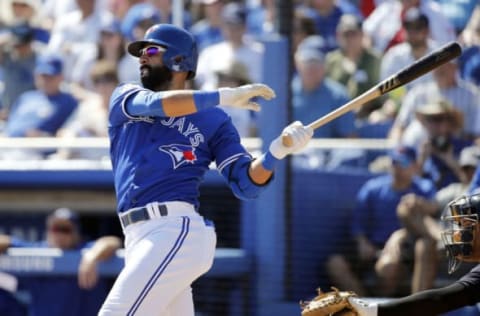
330	303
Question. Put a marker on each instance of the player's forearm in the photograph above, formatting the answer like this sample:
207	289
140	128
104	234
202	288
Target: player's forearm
258	172
171	103
104	248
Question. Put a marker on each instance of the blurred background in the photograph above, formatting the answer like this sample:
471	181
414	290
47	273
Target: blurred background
343	213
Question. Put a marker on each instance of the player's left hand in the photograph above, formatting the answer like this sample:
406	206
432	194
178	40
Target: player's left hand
87	272
241	97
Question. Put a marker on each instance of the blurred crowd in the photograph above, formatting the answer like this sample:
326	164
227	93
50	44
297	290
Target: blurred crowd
61	59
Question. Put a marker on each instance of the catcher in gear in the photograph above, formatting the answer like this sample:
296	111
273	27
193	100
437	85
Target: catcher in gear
462	242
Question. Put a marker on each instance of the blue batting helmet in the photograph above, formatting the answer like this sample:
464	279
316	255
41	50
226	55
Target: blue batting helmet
180	47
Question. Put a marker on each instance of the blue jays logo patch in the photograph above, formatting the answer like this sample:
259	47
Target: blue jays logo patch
180	154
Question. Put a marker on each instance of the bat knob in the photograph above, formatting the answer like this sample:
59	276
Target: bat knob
287	140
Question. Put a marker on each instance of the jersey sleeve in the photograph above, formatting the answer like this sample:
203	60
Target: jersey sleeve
117	111
233	162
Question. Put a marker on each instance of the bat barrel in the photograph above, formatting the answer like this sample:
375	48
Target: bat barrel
422	66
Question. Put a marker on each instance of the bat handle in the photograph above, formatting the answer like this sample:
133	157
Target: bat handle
287	140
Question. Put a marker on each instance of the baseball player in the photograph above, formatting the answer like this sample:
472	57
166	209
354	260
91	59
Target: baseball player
163	139
462	241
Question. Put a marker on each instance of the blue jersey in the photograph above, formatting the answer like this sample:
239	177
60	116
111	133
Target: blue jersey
36	110
375	215
165	158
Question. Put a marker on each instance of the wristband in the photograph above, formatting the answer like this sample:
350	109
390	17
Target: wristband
269	161
205	99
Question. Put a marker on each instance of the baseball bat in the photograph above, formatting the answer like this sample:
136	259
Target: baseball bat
402	77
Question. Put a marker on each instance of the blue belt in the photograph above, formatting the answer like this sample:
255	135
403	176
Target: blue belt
140	214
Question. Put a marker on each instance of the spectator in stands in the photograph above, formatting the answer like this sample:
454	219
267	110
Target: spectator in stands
236	46
111	47
373	221
469	61
303	26
353	65
261	18
416	44
384	25
326	15
458	12
43	111
439	151
421	226
26	11
77	32
81	295
357	67
52	10
468	162
208	31
234	74
315	95
17	60
446	85
164	7
138	19
91	117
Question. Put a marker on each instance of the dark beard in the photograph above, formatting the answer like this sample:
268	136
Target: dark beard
156	78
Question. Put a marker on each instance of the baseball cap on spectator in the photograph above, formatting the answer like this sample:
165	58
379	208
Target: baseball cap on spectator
469	156
65	213
104	71
137	14
349	22
22	33
403	156
440	109
111	26
414	18
311	48
49	64
235	70
234	13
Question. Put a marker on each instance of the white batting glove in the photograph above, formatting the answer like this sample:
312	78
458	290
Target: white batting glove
240	97
363	308
300	136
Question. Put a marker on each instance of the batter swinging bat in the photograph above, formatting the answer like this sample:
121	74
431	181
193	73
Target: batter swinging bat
402	77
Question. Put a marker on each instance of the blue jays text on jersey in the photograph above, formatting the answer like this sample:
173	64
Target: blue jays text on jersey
165	158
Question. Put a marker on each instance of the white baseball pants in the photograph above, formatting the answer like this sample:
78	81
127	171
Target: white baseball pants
163	256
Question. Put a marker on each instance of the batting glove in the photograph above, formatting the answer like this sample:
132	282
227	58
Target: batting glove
300	136
240	97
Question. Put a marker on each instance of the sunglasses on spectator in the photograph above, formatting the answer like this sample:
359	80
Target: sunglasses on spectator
61	229
151	51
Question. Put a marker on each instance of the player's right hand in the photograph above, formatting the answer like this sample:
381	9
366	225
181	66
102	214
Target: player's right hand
298	133
241	97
